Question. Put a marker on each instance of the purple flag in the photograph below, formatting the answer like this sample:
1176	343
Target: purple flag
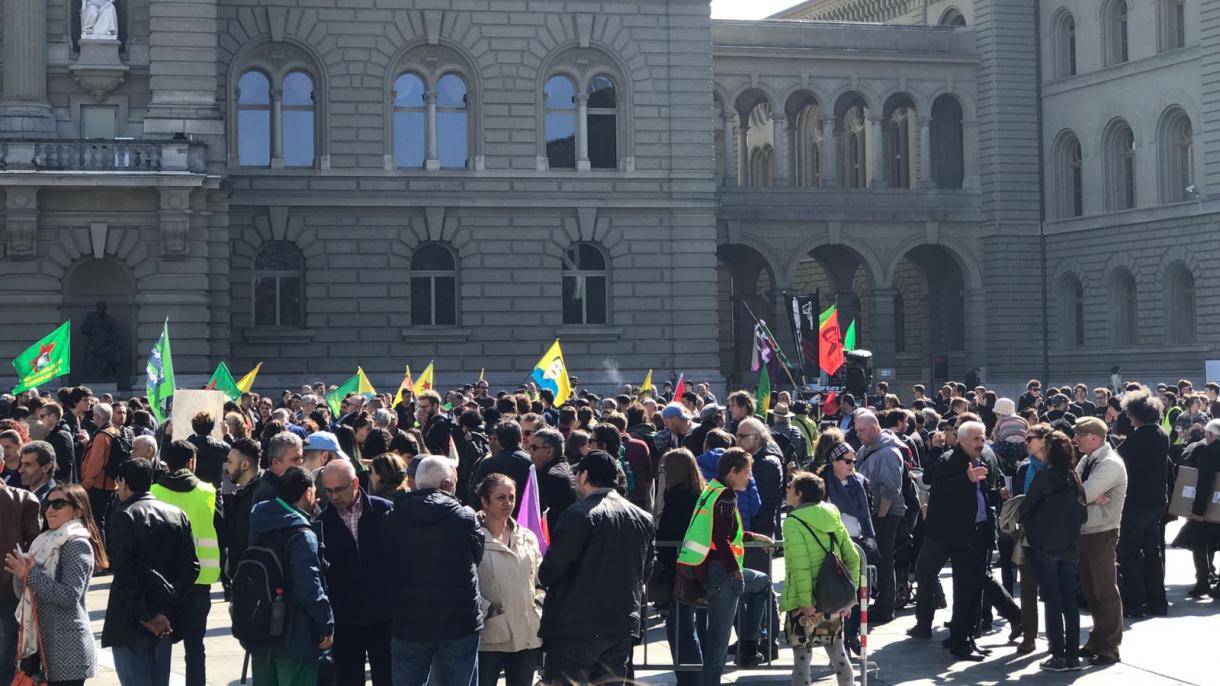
530	513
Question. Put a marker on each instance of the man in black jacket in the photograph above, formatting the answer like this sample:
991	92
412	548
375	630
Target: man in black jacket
242	465
353	524
59	435
1141	565
435	425
152	556
433	547
601	552
556	485
210	453
508	459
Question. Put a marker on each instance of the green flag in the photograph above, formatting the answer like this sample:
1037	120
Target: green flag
160	370
849	338
45	360
762	398
357	384
222	380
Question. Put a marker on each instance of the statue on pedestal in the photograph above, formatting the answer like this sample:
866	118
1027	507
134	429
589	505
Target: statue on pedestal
101	334
98	19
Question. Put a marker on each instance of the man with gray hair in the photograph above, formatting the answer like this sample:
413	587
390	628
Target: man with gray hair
556	483
433	547
285	450
99	467
880	460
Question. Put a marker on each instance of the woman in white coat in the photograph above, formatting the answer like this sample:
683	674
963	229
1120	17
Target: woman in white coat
508	580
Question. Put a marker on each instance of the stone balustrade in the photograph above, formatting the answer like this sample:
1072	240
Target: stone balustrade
104	156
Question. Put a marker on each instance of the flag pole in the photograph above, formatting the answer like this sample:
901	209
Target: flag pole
778	350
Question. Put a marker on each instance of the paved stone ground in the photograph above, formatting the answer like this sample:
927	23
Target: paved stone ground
1156	651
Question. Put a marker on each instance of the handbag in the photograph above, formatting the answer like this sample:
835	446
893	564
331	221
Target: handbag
834	590
822	631
20	677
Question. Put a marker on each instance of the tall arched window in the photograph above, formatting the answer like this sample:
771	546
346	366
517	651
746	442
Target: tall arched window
433	286
561	123
948	148
1064	44
452	122
855	147
1181	305
1173	24
1115	32
762	166
298	123
1068	177
1125	307
1120	167
900	121
585	286
409	122
602	123
1071	312
1177	157
254	120
278	285
809	148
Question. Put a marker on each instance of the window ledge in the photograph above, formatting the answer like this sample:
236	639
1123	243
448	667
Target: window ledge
589	332
1090	350
435	334
278	335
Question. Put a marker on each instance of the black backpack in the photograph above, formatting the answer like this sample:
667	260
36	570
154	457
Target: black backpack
120	453
834	588
262	603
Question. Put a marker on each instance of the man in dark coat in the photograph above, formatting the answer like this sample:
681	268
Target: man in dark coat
433	548
508	459
556	484
210	453
59	435
435	425
1141	562
353	524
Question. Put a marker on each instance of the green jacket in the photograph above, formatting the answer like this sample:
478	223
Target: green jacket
803	556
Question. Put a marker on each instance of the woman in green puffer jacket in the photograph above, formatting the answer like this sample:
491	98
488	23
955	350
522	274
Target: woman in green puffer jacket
803	557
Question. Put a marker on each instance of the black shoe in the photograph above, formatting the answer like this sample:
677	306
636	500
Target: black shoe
1087	653
1199	591
1057	664
774	649
1215	592
918	631
965	653
1103	660
1015	633
853	646
975	647
748	654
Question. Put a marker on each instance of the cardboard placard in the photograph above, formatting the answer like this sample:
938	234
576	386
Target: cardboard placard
1184	490
188	402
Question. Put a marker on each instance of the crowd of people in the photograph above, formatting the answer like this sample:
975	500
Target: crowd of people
389	539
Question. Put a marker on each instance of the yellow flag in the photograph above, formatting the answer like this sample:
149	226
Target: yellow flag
481	370
406	385
247	381
647	385
552	372
424	382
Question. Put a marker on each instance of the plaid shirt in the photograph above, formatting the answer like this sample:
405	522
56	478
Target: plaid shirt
351	518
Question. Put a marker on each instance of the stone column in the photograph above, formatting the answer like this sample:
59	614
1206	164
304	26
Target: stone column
277	128
743	154
796	156
779	141
925	153
729	155
182	68
881	333
830	153
582	132
432	159
24	110
970	154
877	135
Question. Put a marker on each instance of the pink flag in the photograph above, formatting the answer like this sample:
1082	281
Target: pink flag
530	513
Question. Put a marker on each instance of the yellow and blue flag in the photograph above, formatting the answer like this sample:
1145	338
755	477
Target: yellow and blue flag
552	373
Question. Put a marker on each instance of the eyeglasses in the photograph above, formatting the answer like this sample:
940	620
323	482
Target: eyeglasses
846	460
57	504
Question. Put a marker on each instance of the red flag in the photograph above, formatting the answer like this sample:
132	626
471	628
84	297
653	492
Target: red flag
680	388
830	404
830	356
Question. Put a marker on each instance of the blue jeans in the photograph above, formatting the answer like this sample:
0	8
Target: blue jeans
144	661
723	593
193	624
8	640
686	632
1057	582
439	663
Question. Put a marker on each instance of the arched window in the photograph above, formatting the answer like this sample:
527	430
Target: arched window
900	121
1177	153
1115	33
1173	24
409	122
585	286
1071	312
809	147
602	123
1125	308
948	149
1068	177
952	17
298	123
1064	44
762	160
1120	167
1181	306
560	123
855	147
254	120
433	286
452	122
278	285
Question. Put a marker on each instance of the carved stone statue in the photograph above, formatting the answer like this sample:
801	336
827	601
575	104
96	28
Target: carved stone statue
99	19
101	334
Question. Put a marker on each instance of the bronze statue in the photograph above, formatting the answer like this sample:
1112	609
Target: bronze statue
101	334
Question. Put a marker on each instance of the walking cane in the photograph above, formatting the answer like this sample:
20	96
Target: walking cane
245	667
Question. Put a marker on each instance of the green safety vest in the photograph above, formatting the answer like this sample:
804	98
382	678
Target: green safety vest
697	543
1167	424
199	505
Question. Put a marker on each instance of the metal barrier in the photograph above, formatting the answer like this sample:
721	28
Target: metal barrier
652	620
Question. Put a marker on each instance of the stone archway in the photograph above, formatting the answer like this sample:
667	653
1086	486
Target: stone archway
87	283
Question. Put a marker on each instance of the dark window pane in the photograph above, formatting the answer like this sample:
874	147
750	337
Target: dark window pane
451	91
560	92
421	300
298	138
254	138
433	258
561	140
278	256
298	89
573	301
595	299
601	93
451	131
253	89
409	91
290	301
591	257
603	141
446	301
409	139
264	301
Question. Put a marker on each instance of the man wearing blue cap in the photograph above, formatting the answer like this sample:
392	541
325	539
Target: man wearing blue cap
322	448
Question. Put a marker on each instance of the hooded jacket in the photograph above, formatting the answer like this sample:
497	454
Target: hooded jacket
748	501
881	463
311	617
433	547
803	556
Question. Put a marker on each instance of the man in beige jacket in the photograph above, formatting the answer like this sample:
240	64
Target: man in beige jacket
1105	486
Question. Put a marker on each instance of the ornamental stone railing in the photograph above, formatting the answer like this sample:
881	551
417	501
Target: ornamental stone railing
138	156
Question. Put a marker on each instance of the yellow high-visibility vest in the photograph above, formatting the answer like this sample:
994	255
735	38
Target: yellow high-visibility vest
697	543
199	504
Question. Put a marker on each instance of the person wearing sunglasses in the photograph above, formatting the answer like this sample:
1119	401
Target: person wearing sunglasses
51	582
847	490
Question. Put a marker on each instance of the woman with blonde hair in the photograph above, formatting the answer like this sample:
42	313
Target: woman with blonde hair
388	476
51	582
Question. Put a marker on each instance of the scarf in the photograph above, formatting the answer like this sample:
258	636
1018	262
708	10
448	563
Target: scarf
45	550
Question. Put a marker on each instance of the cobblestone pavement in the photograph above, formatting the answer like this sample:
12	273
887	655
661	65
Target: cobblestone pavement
1156	651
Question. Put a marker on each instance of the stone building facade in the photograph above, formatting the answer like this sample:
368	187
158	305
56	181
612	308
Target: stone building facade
319	184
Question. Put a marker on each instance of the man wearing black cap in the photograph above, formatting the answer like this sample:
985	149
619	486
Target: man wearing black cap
600	554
